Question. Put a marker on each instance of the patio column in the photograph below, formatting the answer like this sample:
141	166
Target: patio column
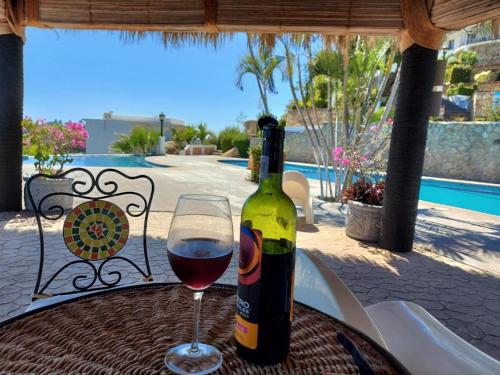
11	112
407	148
420	42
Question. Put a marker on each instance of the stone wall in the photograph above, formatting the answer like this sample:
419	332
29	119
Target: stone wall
456	150
482	100
293	117
488	53
463	150
298	147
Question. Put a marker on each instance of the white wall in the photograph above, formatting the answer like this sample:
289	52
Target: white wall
102	133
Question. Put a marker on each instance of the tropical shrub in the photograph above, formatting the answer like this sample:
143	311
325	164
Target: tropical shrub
366	192
485	76
460	73
184	136
52	144
461	89
141	140
255	153
227	135
468	58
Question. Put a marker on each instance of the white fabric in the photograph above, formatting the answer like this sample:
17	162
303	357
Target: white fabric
424	345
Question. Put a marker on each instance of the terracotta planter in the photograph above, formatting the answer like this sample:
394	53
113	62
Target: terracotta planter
41	187
363	221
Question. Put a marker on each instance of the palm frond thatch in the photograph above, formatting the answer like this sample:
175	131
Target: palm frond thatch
178	39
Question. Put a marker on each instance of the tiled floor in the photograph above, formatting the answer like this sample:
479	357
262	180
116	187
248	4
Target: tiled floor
465	299
453	272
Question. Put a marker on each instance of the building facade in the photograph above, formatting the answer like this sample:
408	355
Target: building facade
104	132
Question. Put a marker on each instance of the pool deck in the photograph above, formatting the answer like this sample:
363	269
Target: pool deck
461	288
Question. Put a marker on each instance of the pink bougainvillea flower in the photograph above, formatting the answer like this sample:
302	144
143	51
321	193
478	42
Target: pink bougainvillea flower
338	153
373	128
390	121
346	161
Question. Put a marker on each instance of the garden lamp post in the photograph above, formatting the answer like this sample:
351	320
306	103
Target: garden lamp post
161	139
162	119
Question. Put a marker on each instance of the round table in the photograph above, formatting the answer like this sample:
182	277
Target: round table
128	330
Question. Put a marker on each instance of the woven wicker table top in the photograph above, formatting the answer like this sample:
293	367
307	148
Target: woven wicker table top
128	331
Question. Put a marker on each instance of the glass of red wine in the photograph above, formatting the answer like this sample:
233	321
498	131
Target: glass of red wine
199	247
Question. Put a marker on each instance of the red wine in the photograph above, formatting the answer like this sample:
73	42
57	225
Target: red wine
199	262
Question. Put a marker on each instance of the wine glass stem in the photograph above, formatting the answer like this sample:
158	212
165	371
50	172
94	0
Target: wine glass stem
196	321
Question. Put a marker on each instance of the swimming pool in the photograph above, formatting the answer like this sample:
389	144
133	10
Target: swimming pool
126	161
477	197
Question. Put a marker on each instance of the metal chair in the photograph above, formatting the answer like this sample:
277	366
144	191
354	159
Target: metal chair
94	232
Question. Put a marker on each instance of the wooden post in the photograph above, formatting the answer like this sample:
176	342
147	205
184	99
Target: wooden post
407	149
11	112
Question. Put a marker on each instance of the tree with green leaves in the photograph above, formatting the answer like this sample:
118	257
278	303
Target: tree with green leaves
263	65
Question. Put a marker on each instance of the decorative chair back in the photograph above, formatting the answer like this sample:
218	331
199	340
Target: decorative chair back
95	230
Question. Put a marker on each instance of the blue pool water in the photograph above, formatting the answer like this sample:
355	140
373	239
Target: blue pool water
129	161
482	198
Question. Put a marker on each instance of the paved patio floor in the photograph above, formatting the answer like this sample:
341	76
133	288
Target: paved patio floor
452	287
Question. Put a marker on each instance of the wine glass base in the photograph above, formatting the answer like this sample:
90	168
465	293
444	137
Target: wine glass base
181	360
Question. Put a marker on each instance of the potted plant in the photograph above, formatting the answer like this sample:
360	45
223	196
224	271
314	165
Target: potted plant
365	199
255	153
51	146
363	190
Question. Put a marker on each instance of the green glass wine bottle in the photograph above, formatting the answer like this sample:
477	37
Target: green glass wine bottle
264	309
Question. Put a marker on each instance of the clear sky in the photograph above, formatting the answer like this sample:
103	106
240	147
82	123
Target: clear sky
70	75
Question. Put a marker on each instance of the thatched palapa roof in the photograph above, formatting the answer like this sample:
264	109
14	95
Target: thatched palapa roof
203	20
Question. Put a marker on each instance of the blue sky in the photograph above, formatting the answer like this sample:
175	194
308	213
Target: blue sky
71	75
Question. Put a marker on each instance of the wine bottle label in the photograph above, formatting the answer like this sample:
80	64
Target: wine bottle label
264	167
265	287
249	275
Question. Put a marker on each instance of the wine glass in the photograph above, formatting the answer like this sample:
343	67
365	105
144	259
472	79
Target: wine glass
199	248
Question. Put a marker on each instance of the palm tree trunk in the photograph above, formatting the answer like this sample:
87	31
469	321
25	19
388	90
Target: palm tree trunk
392	96
322	149
262	91
11	114
407	149
289	69
313	90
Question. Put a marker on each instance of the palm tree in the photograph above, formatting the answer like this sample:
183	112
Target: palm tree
202	131
262	66
141	140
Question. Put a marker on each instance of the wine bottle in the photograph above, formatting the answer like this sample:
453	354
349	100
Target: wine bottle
264	308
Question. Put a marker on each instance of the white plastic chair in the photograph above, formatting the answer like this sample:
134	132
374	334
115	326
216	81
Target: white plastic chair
424	345
296	186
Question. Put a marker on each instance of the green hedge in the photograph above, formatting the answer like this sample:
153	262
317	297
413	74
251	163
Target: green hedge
226	144
228	135
460	73
242	143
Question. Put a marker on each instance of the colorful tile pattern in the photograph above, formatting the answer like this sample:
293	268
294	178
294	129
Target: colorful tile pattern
96	230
